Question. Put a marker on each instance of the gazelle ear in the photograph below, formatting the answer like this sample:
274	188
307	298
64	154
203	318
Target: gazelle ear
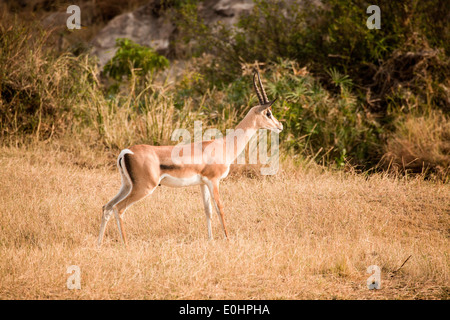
269	104
266	106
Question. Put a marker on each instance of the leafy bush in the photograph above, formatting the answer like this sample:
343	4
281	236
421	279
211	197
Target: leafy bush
359	83
332	129
131	57
324	36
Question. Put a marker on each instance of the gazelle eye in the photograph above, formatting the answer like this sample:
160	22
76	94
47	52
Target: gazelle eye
268	114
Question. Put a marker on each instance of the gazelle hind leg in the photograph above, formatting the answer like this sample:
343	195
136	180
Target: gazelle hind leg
108	209
120	225
208	208
132	189
121	207
105	219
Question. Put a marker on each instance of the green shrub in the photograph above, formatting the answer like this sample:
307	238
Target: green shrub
331	128
325	36
361	82
131	57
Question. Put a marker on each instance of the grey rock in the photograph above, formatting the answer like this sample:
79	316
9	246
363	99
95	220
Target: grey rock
150	26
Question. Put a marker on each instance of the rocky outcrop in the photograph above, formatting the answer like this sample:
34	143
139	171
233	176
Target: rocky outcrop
150	26
226	11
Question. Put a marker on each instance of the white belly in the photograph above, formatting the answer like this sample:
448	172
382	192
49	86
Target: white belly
174	182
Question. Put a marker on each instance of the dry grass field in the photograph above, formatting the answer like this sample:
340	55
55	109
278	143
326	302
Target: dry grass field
302	234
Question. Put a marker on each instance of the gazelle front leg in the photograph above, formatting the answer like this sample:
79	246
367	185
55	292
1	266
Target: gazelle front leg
213	187
208	208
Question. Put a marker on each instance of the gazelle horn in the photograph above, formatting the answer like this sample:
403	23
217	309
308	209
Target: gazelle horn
258	93
263	95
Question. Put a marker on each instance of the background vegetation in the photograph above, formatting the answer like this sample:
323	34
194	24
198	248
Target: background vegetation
374	99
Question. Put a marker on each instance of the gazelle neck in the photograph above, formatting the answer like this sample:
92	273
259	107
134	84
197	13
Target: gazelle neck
237	140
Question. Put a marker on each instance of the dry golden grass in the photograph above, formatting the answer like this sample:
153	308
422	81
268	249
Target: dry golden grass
300	234
420	143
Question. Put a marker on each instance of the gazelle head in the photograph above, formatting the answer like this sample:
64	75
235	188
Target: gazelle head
264	118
